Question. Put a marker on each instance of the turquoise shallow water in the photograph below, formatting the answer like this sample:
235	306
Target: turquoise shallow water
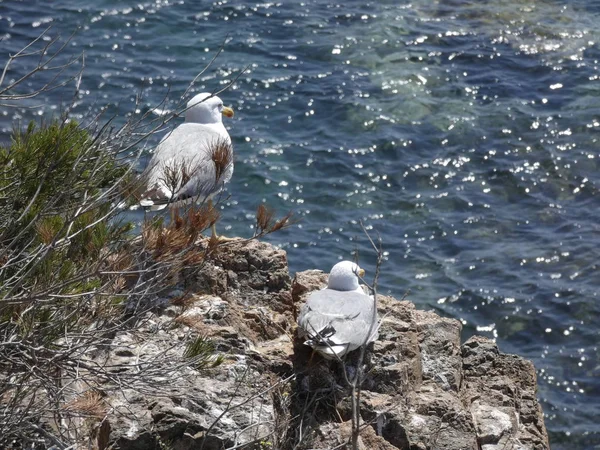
464	133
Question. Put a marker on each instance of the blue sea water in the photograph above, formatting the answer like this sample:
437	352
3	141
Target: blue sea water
464	134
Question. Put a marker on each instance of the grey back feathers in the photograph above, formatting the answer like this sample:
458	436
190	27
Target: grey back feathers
336	321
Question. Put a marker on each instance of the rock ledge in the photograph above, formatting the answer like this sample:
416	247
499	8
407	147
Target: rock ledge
424	390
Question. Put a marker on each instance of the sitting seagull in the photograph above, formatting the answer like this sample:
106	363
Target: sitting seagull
339	318
194	161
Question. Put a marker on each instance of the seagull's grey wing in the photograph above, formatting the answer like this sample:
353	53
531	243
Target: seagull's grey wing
192	162
334	318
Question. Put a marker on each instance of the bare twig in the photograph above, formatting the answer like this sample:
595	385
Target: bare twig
356	383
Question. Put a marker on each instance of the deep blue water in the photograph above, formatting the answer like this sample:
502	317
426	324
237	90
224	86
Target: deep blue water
464	133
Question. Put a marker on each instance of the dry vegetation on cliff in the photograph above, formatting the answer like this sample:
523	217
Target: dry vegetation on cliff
73	273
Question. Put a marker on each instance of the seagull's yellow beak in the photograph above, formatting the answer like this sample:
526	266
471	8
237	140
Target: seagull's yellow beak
227	112
361	272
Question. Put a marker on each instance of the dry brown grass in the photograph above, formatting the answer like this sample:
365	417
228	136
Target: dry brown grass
46	232
178	239
222	157
265	222
184	300
89	404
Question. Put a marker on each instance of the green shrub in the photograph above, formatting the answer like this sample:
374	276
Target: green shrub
58	188
202	353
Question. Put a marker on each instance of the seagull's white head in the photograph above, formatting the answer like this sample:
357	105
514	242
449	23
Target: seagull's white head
206	109
343	276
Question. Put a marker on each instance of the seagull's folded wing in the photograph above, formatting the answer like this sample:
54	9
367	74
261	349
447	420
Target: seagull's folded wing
332	317
190	163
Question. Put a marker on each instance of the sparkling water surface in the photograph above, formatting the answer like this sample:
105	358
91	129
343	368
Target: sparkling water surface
464	133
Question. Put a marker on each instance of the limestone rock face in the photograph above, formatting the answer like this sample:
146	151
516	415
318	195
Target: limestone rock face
240	300
424	390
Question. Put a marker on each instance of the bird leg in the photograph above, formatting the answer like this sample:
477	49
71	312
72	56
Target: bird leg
213	228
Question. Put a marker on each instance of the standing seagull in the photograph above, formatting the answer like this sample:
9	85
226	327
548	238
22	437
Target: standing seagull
340	318
194	161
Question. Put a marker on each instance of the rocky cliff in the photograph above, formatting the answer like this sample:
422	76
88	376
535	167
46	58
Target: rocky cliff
424	389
